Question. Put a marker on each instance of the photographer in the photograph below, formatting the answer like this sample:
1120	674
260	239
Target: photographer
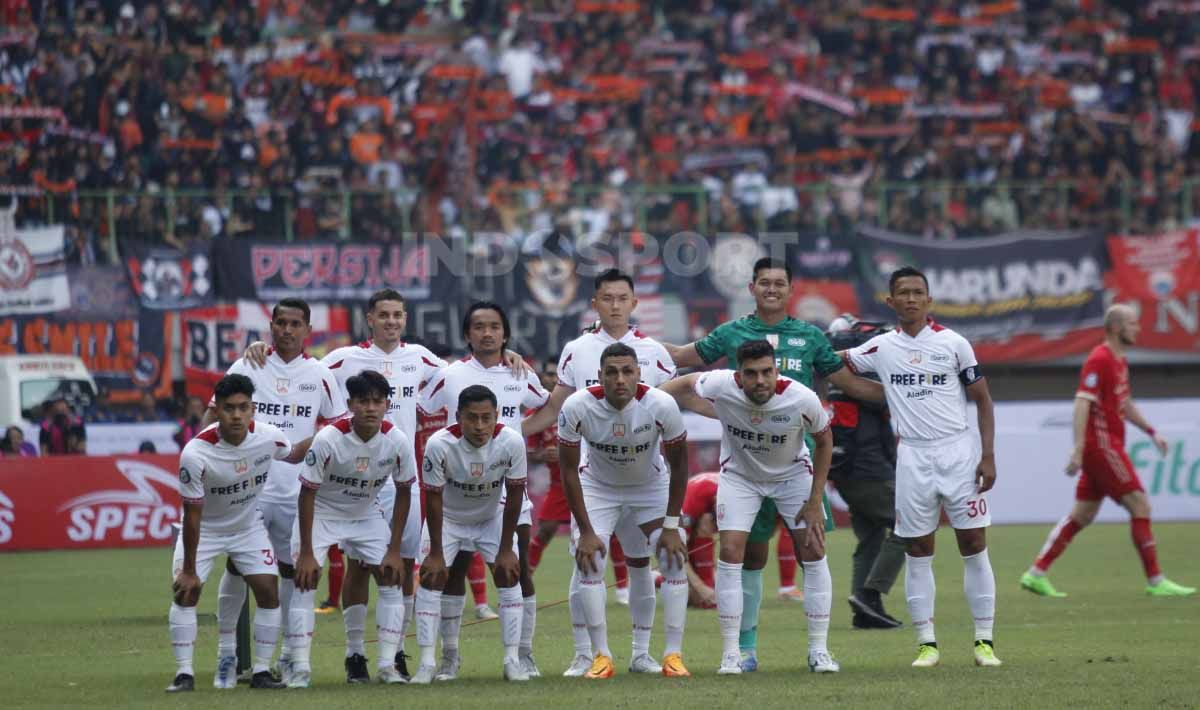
62	432
864	472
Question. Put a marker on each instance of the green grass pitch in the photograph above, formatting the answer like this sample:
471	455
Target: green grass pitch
89	629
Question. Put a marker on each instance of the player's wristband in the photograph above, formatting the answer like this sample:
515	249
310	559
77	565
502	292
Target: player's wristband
671	522
1150	431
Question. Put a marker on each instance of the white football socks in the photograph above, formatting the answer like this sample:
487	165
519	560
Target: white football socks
231	595
818	601
729	603
181	622
389	617
512	608
266	636
528	623
301	621
641	607
591	586
979	584
674	601
579	629
355	619
920	589
429	616
451	621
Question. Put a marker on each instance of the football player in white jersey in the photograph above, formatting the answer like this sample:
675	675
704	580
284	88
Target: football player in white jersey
578	369
621	488
297	394
467	465
486	330
928	374
221	473
407	368
347	466
764	418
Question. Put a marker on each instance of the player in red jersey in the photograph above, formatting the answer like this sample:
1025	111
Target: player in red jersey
1102	404
699	518
542	447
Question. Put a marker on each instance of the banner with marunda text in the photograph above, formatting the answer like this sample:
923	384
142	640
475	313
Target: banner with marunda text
1160	276
1022	296
78	502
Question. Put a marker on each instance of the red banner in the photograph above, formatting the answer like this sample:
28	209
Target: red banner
1161	276
76	502
214	337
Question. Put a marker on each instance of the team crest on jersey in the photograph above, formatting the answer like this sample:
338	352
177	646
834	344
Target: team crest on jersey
281	385
773	339
618	430
914	357
385	368
756	417
362	463
476	469
241	466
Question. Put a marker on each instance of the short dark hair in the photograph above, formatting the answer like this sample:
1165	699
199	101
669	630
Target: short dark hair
486	306
903	272
367	383
611	275
753	350
387	294
230	385
475	393
769	263
617	350
298	303
551	359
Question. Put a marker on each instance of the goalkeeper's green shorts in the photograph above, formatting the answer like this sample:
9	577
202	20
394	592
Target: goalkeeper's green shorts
768	515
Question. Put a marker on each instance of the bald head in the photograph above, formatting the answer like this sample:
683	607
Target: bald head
1116	316
1121	324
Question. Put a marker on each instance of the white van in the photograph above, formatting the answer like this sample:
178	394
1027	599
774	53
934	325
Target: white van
26	381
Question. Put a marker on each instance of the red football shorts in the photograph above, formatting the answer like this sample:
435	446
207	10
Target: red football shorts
554	505
1107	473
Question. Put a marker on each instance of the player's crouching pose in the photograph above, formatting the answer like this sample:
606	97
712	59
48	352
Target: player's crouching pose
465	468
621	489
221	472
763	455
344	471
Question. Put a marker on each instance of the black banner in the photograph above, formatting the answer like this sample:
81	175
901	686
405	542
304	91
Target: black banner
1027	293
170	279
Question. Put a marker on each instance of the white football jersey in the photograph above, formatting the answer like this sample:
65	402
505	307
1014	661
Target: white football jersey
622	444
512	394
579	364
924	379
227	479
297	397
407	369
347	472
764	442
472	480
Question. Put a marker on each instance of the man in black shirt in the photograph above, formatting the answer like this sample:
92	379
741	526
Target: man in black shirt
864	471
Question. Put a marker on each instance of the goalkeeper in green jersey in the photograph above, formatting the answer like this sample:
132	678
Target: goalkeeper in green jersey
800	350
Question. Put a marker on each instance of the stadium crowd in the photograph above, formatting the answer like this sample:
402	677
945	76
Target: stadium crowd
339	118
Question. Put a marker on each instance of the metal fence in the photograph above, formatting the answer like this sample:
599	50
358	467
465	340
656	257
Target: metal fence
98	220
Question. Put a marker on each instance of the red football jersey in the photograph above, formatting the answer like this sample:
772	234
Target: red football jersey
701	498
545	439
1104	381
